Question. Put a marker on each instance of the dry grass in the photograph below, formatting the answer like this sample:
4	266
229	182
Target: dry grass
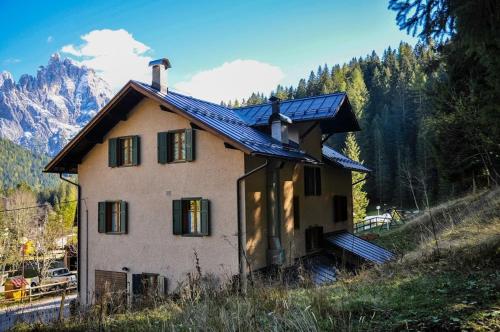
457	289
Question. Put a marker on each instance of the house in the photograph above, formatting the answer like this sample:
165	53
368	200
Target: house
162	176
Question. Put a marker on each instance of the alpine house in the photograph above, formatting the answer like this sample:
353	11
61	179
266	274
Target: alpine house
164	177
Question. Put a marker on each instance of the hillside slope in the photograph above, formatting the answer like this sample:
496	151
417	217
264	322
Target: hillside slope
455	289
18	164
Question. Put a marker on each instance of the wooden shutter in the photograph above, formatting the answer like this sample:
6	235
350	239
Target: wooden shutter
162	286
296	212
177	216
205	217
317	181
136	150
113	152
137	288
170	139
189	144
101	212
163	148
123	217
339	208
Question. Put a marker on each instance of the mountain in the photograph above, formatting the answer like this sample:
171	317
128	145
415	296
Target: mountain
43	112
18	164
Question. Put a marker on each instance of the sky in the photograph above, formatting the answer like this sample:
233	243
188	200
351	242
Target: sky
219	49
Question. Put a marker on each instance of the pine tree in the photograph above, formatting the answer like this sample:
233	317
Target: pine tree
359	197
301	91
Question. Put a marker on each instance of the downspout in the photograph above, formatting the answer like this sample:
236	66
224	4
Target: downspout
241	241
78	227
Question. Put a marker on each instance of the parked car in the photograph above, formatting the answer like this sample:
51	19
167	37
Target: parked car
57	276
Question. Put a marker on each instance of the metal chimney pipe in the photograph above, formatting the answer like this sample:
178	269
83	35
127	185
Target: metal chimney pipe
159	74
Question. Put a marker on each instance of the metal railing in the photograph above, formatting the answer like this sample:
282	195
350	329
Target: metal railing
373	222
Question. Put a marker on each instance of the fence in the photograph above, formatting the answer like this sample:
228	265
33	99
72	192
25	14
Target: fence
30	293
378	221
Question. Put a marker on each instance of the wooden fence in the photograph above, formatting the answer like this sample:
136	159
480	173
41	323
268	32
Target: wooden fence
30	293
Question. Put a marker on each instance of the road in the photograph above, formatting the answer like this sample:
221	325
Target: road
44	310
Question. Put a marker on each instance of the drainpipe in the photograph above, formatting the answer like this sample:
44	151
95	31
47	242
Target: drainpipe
78	227
275	252
241	241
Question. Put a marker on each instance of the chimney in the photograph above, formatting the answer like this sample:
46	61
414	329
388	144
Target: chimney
159	81
278	122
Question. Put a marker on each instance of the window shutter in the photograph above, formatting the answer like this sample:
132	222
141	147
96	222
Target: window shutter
308	239
205	217
163	148
136	150
177	216
112	152
101	228
317	175
190	144
162	286
136	284
170	137
123	217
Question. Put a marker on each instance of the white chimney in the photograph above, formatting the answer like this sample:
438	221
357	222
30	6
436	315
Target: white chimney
279	122
159	81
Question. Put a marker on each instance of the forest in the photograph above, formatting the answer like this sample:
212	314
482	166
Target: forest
429	113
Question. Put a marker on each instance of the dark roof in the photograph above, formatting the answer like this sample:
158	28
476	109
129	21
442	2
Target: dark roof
339	159
362	248
324	107
214	118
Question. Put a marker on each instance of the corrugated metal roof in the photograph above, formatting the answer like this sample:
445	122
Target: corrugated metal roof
362	248
321	269
230	124
341	160
305	109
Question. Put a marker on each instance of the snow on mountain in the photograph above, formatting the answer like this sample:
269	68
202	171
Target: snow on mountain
42	113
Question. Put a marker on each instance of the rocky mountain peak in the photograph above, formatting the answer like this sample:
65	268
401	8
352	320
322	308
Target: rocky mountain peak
43	112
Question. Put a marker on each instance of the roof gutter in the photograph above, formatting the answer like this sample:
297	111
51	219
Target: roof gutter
242	258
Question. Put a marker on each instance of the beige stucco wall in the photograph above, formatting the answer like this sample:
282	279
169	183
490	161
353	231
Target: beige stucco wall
314	210
149	190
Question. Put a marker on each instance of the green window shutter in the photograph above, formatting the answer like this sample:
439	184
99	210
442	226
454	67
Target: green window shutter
136	150
205	217
112	152
170	137
177	216
101	227
123	217
163	148
189	144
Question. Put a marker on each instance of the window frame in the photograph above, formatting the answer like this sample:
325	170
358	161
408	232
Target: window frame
108	217
171	142
339	213
119	151
183	201
312	176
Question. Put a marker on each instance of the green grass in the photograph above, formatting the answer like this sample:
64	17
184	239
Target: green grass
454	286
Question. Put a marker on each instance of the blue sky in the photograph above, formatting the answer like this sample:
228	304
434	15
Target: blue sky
280	40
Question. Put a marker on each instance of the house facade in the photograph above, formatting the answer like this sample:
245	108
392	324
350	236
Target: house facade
168	182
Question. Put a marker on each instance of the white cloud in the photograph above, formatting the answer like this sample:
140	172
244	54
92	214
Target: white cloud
114	54
233	80
50	39
10	61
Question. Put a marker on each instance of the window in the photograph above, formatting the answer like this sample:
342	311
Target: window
339	208
314	235
296	212
124	151
312	181
191	217
113	217
176	146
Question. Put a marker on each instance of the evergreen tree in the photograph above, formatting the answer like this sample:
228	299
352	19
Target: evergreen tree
359	197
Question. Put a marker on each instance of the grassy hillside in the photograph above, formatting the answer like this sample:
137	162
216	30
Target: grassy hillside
18	164
455	288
